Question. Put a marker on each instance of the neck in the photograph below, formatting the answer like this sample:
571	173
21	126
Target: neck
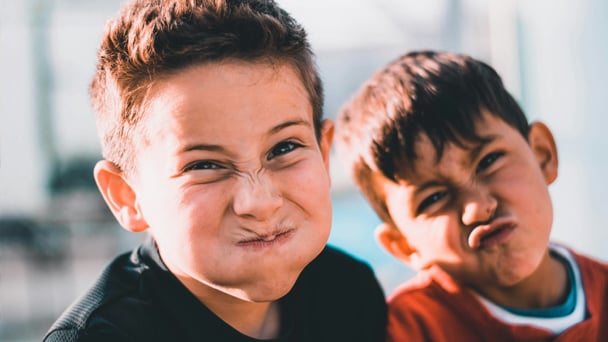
545	288
261	320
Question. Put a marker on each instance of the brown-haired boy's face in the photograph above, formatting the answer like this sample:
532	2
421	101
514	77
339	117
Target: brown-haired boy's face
233	183
482	213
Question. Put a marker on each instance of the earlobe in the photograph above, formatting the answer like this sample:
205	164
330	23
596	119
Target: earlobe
327	136
392	240
544	147
119	196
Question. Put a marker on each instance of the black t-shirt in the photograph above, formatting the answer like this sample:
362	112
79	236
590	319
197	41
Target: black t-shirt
336	298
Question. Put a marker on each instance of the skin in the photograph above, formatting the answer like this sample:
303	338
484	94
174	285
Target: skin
482	213
232	184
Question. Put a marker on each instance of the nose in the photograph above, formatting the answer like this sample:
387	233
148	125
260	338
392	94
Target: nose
256	197
478	206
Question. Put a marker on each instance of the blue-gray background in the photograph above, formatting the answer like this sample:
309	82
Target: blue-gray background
56	234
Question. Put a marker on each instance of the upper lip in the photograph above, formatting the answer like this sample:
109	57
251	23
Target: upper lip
254	236
479	232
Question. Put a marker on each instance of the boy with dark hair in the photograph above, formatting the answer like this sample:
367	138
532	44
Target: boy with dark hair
447	159
210	118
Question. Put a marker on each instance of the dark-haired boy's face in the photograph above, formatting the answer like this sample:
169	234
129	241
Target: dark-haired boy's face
234	184
483	213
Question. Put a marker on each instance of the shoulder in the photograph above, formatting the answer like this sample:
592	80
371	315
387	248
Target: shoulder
338	273
594	274
341	297
335	270
430	282
417	291
591	270
431	307
585	261
412	309
430	292
337	262
118	282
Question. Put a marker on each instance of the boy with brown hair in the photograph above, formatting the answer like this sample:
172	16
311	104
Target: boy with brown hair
210	118
448	160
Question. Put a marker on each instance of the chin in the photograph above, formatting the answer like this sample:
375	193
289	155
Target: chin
514	276
268	292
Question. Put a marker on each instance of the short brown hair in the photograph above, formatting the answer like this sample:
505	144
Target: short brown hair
152	39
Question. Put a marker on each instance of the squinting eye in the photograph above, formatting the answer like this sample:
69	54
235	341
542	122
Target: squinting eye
202	165
282	148
430	201
488	160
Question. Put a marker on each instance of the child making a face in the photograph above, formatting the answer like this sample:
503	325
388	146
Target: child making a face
210	120
458	176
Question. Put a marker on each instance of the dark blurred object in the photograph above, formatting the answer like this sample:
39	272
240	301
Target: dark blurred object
41	243
16	230
73	174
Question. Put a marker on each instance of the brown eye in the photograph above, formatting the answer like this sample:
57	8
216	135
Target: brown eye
432	199
282	148
202	165
488	160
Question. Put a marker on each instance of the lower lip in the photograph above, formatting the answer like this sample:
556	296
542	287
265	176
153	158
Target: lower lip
495	238
279	240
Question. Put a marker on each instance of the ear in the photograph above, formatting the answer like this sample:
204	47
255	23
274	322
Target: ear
543	145
119	196
391	239
327	136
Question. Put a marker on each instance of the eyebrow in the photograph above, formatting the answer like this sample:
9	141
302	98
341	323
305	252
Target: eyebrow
286	124
219	148
484	141
473	155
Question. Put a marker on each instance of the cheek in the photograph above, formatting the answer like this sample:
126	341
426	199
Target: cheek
309	183
437	239
424	233
308	189
445	232
527	191
186	214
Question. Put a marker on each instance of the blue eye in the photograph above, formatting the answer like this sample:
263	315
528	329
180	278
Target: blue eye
202	165
432	199
282	148
488	160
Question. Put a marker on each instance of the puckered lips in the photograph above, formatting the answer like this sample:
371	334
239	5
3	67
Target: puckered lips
269	240
491	234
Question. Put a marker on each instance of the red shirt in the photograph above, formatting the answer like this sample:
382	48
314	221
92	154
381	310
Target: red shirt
433	307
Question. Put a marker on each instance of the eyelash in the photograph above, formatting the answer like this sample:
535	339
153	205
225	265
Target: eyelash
485	163
430	201
488	160
202	165
282	148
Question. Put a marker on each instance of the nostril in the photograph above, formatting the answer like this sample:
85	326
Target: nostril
479	211
256	198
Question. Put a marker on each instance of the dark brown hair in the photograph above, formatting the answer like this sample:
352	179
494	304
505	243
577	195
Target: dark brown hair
438	94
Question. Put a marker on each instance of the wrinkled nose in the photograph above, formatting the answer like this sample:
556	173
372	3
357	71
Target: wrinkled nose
256	197
478	207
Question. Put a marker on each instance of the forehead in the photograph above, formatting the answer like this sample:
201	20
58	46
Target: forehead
215	96
459	153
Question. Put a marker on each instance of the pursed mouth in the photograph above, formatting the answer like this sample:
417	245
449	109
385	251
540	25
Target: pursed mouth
266	239
491	234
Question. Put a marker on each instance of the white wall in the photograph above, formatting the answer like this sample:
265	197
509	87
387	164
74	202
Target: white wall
564	71
21	164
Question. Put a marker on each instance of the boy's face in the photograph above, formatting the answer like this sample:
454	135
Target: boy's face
232	182
483	213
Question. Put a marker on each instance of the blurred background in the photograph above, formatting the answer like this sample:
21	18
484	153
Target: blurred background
56	234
